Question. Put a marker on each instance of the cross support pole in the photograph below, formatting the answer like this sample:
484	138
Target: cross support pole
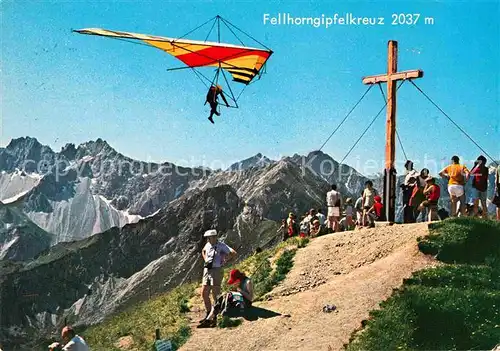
391	78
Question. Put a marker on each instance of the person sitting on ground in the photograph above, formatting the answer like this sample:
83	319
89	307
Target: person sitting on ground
457	176
240	298
306	223
349	212
315	229
321	218
432	192
376	212
73	341
342	225
368	200
480	174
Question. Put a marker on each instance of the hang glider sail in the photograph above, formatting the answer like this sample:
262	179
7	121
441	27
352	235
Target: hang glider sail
243	63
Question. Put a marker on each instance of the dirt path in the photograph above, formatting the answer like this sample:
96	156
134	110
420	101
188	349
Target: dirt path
355	271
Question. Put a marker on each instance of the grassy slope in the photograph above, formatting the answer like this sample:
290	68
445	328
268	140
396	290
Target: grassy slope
167	312
451	307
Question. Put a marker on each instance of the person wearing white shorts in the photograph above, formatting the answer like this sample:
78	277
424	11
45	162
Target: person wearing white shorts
456	190
333	201
333	211
457	176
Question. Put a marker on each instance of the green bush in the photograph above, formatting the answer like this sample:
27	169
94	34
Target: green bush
258	267
463	240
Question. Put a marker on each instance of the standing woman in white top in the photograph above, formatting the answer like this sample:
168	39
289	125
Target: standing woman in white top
333	202
214	254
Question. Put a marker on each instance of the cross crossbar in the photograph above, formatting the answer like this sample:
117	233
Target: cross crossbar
417	73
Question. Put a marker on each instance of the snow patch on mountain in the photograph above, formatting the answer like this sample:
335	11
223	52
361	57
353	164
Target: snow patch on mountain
4	248
81	215
15	185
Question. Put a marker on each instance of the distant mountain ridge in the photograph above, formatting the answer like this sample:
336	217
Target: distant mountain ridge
89	188
255	161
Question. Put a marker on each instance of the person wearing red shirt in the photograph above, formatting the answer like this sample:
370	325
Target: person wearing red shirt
376	212
432	192
480	175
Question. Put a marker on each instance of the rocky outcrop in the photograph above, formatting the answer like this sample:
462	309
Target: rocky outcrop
20	238
255	161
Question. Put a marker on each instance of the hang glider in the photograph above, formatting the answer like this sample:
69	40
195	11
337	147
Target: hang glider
243	63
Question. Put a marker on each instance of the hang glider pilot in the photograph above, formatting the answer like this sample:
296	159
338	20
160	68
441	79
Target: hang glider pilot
212	95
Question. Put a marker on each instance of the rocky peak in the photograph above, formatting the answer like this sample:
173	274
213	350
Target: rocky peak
95	148
23	143
68	151
255	161
26	154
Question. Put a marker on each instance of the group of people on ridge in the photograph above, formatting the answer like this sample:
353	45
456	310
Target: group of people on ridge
421	194
342	215
421	191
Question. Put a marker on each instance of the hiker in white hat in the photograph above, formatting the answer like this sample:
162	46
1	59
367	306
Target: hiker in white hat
215	254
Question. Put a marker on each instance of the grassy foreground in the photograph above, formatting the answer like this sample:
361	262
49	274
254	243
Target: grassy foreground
451	307
168	311
165	312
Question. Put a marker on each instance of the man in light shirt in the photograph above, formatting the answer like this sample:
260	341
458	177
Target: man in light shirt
215	254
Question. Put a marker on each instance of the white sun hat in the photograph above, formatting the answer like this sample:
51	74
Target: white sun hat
211	232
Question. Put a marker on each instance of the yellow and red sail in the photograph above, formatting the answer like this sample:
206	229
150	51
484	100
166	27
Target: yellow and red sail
243	63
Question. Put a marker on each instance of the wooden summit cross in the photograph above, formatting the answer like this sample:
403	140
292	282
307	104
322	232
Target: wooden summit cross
391	78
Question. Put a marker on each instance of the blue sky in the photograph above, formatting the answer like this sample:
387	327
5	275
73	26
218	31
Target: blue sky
64	87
